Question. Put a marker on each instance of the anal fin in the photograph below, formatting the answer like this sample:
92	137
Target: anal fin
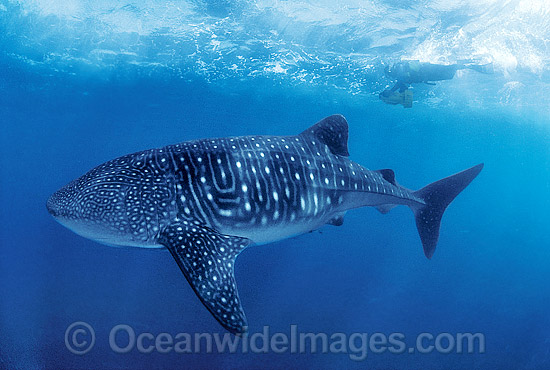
385	208
206	258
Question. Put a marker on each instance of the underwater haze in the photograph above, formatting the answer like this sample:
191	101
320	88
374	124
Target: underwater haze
83	82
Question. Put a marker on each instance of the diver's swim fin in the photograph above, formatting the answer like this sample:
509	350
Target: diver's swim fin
407	99
404	98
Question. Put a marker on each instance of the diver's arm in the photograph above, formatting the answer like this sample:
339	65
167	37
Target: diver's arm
396	86
402	86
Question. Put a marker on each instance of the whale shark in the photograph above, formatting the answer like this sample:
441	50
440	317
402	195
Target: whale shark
207	200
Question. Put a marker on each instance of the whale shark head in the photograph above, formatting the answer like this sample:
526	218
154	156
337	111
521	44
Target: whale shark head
99	215
115	203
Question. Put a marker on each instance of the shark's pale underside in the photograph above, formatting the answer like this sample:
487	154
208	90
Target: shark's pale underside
207	200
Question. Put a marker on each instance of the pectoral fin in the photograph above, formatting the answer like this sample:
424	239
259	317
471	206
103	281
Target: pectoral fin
206	258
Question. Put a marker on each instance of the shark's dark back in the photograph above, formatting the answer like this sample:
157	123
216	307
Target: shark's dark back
257	179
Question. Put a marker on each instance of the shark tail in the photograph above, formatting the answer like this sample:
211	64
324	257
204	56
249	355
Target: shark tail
437	196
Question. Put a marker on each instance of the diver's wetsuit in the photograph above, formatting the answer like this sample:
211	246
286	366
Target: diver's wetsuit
411	72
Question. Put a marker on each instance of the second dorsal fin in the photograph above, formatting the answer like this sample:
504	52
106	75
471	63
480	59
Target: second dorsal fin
388	175
333	132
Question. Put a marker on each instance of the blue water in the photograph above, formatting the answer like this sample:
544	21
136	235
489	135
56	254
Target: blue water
82	83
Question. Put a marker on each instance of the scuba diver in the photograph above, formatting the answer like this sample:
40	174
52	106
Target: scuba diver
413	71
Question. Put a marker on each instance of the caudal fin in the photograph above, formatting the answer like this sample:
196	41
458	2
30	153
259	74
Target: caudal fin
437	196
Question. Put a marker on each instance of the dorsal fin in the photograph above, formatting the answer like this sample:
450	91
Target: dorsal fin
333	132
388	175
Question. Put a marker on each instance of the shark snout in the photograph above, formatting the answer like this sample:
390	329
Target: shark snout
53	206
59	203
